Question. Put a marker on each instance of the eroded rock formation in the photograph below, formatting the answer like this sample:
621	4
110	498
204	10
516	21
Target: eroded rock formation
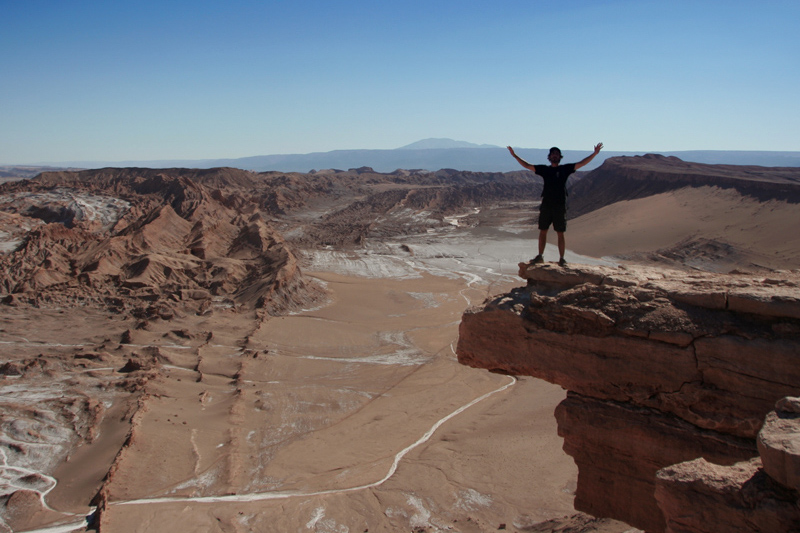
662	367
117	237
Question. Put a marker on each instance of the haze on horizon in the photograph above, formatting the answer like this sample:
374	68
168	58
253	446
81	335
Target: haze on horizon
201	80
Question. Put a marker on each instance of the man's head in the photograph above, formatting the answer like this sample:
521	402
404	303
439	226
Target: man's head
555	155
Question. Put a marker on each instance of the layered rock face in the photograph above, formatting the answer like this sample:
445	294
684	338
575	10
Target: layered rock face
662	367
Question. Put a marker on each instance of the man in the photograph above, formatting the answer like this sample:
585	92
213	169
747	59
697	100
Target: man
553	209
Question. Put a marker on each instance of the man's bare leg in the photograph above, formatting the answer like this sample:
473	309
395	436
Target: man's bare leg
542	241
562	244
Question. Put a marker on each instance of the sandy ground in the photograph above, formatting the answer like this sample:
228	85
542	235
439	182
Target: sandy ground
339	430
707	227
351	417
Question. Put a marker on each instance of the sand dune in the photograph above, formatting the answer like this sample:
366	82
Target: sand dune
706	227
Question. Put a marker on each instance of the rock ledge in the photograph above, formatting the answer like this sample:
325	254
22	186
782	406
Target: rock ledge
662	368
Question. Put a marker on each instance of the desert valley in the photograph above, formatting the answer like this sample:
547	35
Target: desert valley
191	350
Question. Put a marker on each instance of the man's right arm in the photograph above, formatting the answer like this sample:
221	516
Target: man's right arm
520	160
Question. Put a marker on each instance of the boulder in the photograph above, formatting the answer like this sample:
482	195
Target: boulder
779	443
700	497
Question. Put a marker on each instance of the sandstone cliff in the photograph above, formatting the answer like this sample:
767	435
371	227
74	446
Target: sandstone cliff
662	368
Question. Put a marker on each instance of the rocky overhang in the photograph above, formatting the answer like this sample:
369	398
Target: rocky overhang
662	367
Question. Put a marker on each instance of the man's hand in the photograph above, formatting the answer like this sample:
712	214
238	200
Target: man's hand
521	161
585	161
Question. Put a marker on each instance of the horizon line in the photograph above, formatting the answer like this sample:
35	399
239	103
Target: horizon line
79	163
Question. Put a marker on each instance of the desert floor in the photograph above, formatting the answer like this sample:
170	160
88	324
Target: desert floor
354	416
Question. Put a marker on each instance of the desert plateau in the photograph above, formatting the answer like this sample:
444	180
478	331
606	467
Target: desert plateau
222	350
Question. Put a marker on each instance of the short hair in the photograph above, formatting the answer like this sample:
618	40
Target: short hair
555	149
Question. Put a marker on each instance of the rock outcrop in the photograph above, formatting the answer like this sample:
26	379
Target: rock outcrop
662	367
117	237
699	496
756	495
779	443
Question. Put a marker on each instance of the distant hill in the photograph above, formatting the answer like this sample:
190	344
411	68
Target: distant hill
439	143
12	172
629	178
481	159
436	154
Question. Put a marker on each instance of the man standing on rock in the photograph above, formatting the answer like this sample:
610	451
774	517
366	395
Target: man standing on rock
553	209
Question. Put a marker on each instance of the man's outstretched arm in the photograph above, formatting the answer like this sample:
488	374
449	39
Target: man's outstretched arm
520	160
586	161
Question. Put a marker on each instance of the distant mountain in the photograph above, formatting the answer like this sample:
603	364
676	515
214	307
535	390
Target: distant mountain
443	143
436	154
481	159
22	171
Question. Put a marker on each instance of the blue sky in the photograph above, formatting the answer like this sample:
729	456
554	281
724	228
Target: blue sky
113	81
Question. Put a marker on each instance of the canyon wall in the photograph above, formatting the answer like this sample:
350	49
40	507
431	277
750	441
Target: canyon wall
670	378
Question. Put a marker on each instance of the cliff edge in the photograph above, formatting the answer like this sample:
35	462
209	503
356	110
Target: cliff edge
670	377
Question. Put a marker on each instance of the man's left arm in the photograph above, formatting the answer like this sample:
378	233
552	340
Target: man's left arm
586	161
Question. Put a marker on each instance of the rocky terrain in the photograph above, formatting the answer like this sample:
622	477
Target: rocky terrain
138	306
120	240
260	350
670	378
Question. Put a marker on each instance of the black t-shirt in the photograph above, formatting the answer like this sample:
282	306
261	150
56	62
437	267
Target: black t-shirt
555	182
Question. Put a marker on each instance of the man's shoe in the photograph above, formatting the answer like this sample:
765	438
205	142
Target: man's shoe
538	259
562	262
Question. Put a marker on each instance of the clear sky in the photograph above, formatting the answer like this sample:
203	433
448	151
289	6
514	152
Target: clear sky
113	80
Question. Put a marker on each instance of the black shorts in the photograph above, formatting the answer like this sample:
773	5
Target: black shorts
553	214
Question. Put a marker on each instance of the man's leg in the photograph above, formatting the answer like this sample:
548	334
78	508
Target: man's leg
562	244
542	241
545	219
